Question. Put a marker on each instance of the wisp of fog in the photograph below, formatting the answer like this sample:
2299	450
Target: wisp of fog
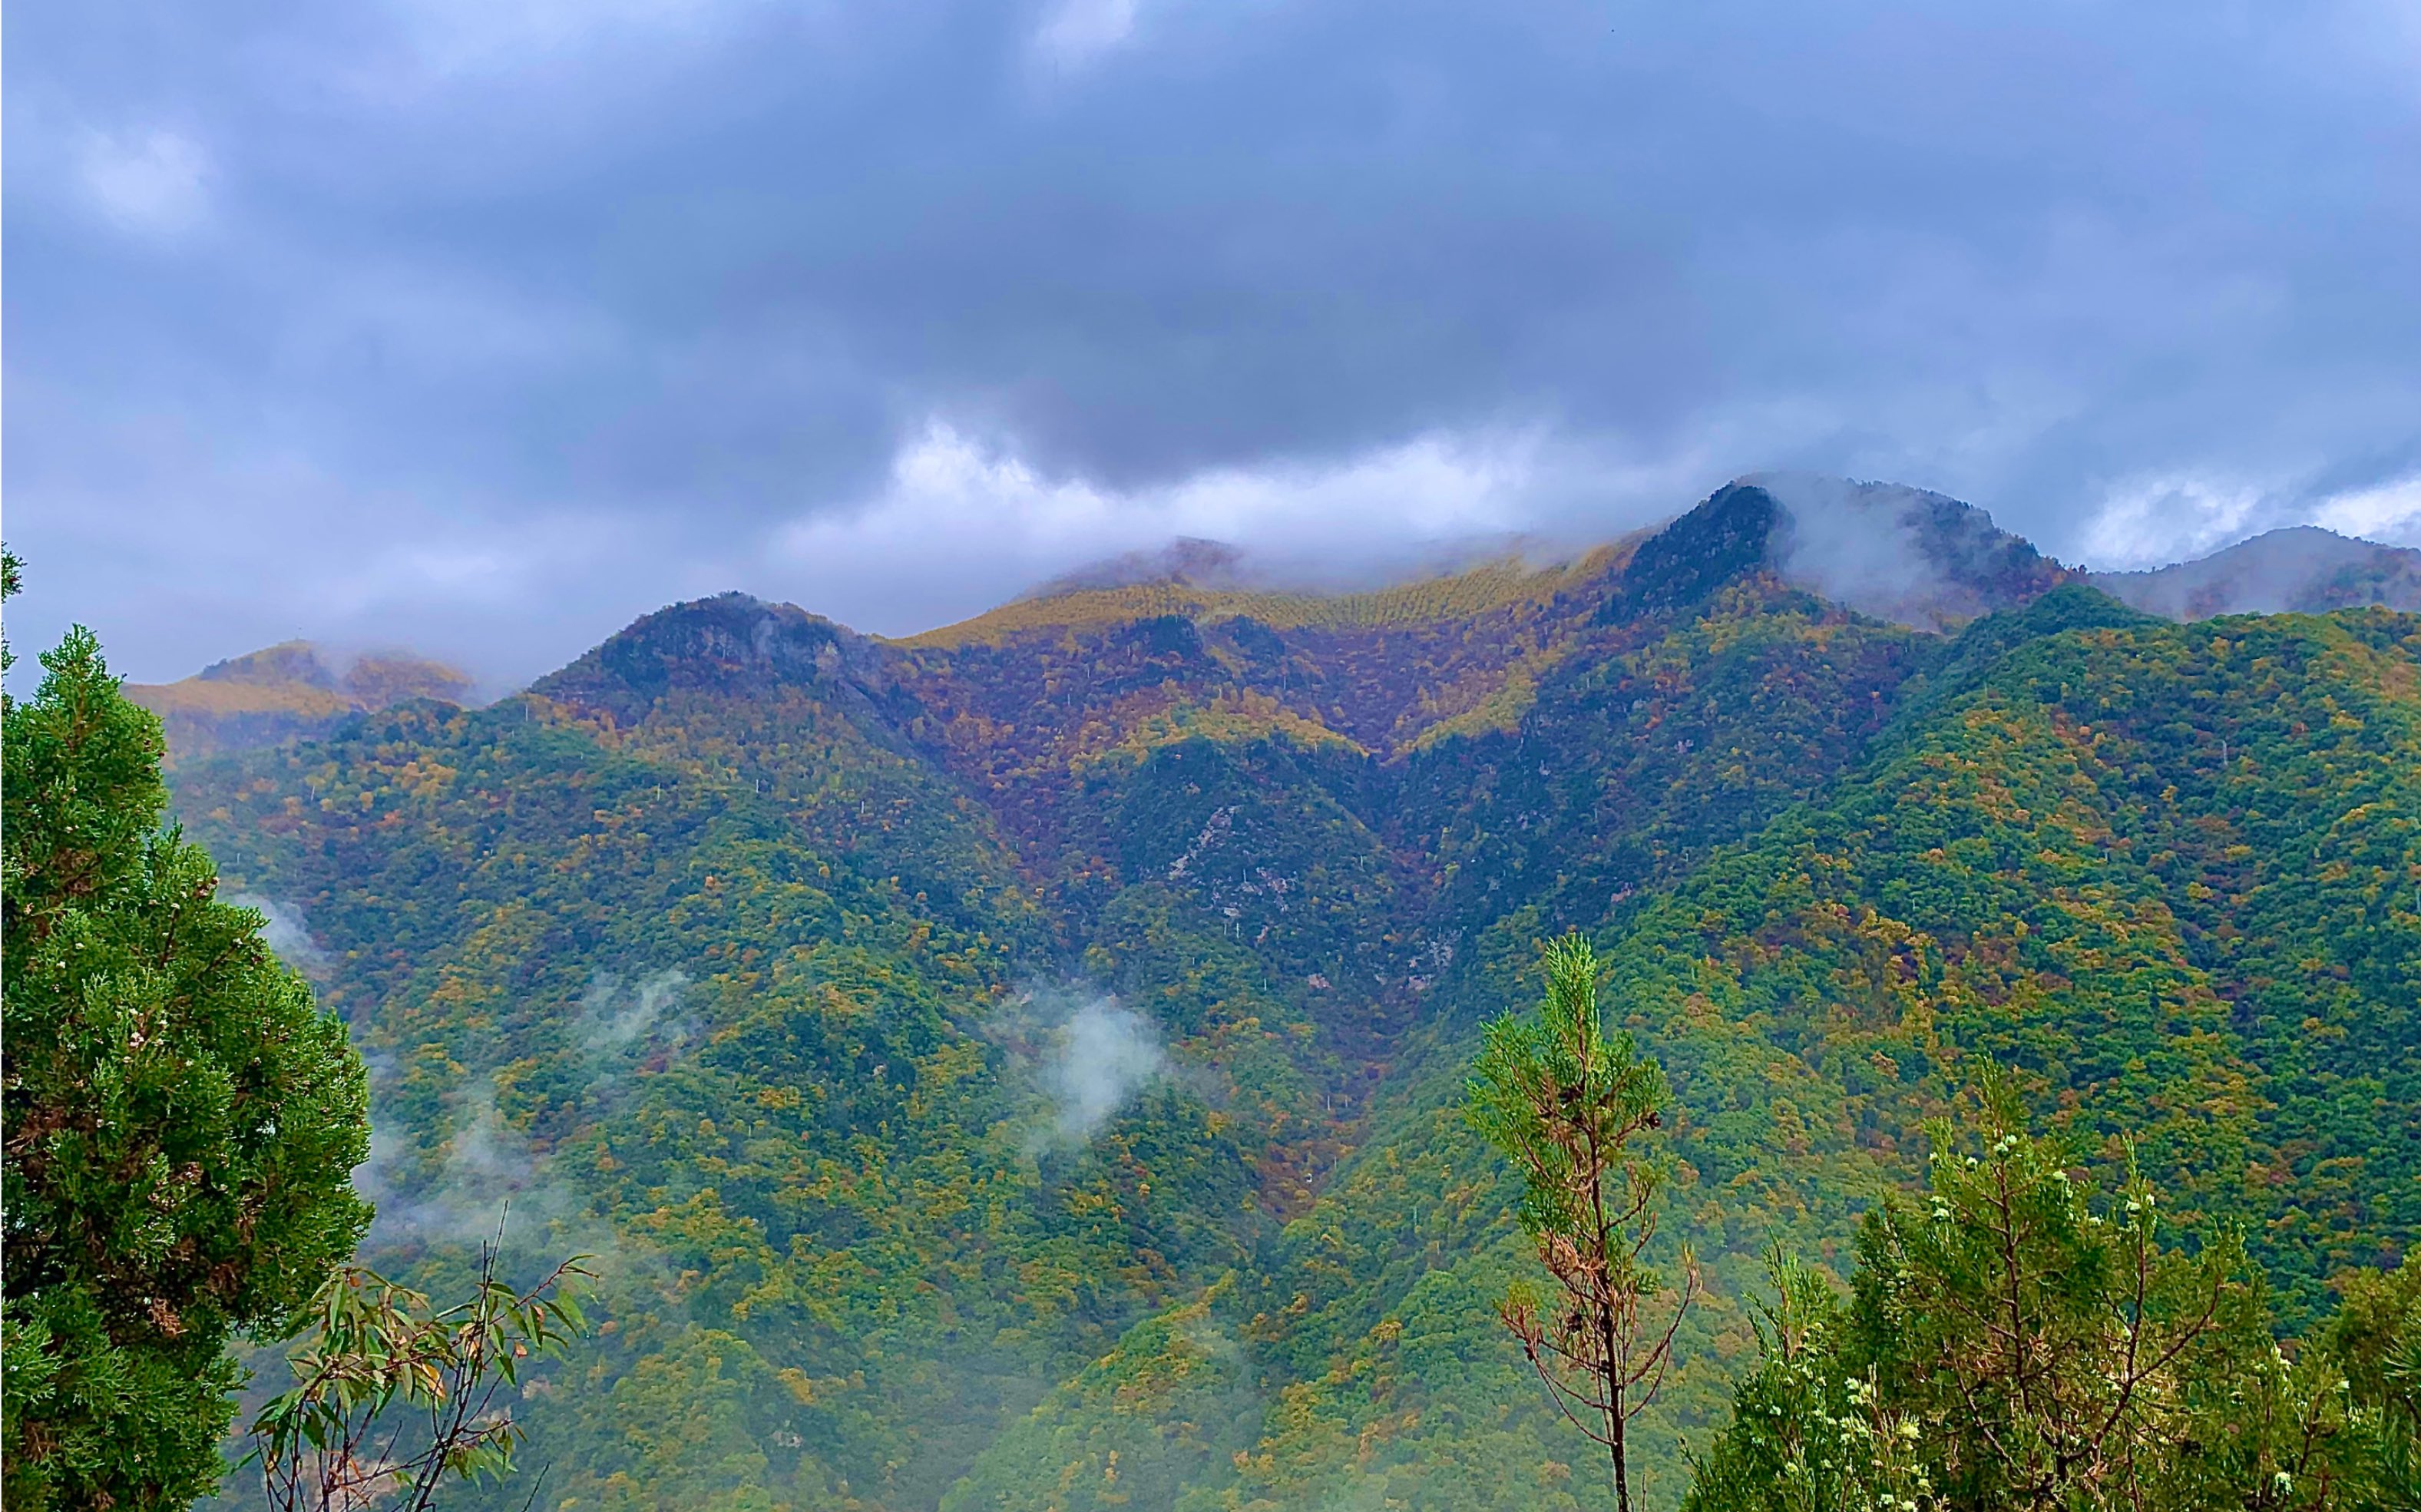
1105	1054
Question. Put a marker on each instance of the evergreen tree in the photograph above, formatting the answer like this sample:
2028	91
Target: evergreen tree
2045	1340
180	1119
1565	1102
2016	1341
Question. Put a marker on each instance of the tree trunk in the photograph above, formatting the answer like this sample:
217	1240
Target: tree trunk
1617	1419
1622	1461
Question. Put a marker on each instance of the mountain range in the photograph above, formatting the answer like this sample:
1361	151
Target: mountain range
288	691
1018	1065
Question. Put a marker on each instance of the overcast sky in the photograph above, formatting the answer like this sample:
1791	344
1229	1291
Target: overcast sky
485	326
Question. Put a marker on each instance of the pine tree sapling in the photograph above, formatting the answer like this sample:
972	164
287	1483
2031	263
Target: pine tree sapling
1811	1430
2044	1342
1565	1103
180	1120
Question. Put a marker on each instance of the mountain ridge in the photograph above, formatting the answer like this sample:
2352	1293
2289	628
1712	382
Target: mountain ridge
1834	861
288	691
2298	570
1900	554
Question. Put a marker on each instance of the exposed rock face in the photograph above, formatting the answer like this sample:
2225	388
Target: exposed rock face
729	646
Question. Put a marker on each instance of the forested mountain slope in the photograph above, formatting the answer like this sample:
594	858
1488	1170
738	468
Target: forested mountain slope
1019	1067
287	691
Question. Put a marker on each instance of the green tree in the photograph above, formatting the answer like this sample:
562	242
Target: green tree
1810	1430
2015	1340
180	1120
1565	1103
393	1398
2375	1341
2044	1341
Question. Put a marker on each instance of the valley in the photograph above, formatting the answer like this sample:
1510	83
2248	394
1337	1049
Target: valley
1021	1065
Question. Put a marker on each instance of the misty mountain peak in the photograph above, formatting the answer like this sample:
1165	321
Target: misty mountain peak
290	690
1896	553
1189	561
2301	569
287	662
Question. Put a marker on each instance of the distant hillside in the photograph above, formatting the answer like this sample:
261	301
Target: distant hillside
1899	553
1188	560
1016	1067
1131	588
287	692
2303	569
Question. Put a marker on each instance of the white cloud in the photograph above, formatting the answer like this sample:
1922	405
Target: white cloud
608	1028
986	521
487	1168
2385	511
1078	1057
1076	32
1103	1057
286	933
2155	519
152	183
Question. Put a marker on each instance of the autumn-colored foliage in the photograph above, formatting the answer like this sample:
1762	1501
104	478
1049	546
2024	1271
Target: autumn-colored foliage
744	952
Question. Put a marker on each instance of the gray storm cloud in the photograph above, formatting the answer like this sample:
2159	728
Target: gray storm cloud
485	328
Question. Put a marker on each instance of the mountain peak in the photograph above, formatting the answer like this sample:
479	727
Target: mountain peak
731	641
2299	569
1189	561
1900	553
290	690
288	663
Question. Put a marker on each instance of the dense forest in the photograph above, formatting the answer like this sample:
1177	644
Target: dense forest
1029	1065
